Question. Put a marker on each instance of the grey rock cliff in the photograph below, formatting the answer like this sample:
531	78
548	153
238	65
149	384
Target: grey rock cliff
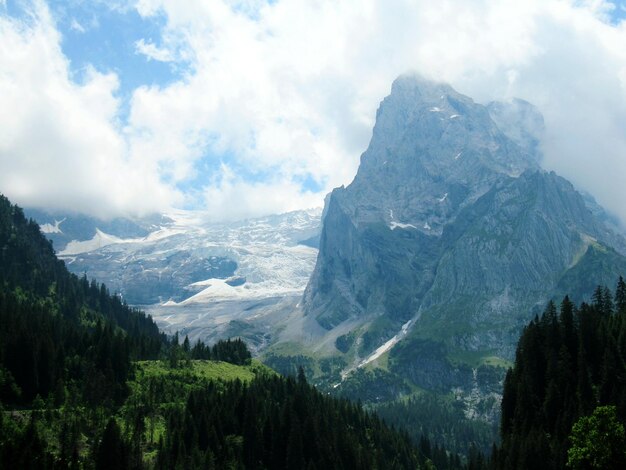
451	222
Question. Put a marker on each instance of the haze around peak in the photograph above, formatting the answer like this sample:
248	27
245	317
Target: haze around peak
244	108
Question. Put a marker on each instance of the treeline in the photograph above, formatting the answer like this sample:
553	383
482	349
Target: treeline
74	433
72	397
277	422
569	373
60	334
234	351
268	422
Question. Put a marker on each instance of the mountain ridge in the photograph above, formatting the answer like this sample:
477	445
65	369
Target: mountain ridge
450	224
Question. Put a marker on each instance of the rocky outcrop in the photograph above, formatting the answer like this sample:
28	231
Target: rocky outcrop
450	221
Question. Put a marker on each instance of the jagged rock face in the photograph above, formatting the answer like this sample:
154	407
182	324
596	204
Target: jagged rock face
451	221
432	152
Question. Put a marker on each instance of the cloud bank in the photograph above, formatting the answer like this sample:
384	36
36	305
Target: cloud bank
277	100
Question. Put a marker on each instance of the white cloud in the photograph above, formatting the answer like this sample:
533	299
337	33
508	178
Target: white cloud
291	88
153	52
232	198
296	84
76	26
60	144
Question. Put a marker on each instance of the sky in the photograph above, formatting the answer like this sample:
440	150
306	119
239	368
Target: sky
243	108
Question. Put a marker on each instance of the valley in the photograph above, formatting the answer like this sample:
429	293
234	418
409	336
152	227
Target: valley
284	234
415	281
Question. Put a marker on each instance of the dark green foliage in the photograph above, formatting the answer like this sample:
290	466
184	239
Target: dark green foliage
439	419
598	441
112	452
277	422
23	446
232	351
344	342
372	386
59	331
66	347
289	365
567	364
425	363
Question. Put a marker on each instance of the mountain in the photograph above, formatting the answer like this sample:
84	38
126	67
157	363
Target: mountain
207	280
80	386
62	228
178	257
449	239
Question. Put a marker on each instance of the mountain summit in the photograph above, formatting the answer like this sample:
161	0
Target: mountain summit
451	231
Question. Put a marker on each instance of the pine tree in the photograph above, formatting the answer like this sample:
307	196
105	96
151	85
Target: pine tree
561	373
620	296
112	451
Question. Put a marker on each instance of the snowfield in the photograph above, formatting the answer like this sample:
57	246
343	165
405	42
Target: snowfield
194	275
268	252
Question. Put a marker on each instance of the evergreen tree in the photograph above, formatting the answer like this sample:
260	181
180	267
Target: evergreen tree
620	296
112	451
565	367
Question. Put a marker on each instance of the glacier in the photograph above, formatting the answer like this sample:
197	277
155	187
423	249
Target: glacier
205	279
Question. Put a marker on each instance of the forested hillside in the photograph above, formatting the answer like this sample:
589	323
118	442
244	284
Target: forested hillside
275	422
59	333
87	382
564	400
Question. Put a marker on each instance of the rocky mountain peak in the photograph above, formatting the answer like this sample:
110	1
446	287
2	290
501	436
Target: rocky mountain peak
433	151
451	226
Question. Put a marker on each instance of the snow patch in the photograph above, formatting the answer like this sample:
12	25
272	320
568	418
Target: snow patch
454	116
380	350
49	228
387	346
160	234
443	198
395	225
427	226
435	109
99	240
458	155
215	288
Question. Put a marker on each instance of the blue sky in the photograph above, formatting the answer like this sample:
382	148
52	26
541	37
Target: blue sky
618	12
248	107
94	34
105	34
